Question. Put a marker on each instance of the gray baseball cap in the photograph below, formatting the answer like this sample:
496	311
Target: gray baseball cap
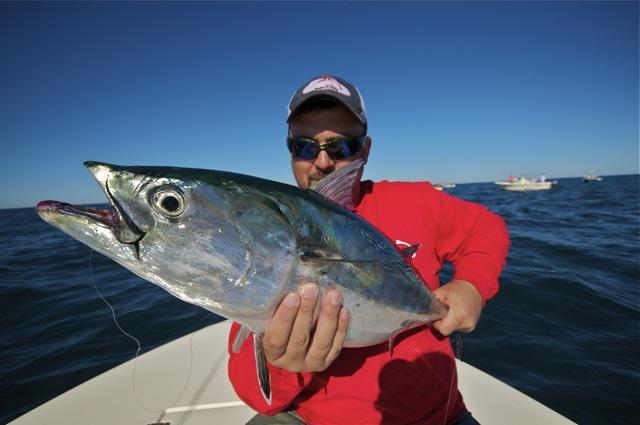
329	86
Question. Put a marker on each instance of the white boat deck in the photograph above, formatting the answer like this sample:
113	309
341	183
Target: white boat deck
185	382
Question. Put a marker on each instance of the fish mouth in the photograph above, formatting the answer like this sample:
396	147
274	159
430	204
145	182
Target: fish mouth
101	215
104	217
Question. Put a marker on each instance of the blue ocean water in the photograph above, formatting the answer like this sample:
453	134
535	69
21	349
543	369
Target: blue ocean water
564	329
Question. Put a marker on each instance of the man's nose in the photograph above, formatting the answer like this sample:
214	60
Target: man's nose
324	161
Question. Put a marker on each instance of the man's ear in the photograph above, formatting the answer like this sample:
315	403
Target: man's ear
366	148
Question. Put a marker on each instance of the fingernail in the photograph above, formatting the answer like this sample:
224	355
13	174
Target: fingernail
291	300
344	314
309	291
334	298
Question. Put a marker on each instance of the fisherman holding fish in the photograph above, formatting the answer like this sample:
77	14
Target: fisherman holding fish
333	285
314	378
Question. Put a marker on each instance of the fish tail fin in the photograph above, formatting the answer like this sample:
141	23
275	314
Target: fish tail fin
264	379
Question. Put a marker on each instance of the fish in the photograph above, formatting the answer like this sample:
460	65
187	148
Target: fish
236	244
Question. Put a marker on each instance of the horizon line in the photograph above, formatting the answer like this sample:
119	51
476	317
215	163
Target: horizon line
457	184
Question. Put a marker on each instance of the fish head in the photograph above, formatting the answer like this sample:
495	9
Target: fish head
177	229
110	231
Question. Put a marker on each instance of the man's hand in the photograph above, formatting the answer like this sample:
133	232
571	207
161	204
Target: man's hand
290	341
465	306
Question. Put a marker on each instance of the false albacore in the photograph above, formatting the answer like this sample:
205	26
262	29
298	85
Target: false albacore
236	245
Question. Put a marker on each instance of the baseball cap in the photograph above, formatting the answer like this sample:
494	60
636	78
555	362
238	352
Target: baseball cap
332	87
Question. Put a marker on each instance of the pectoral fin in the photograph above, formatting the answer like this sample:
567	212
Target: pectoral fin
319	255
264	379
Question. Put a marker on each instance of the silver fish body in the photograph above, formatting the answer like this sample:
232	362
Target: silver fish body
236	245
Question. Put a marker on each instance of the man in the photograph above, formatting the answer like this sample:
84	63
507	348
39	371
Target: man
313	379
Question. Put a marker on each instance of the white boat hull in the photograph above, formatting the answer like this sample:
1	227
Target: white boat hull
185	382
524	187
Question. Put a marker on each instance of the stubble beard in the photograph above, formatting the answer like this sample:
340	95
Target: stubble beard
315	178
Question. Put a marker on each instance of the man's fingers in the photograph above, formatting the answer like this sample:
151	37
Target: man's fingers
288	341
299	338
455	321
465	307
339	338
279	329
325	332
446	326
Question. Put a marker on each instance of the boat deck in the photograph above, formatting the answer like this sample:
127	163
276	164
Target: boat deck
185	382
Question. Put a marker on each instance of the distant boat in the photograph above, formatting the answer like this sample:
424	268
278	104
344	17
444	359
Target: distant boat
591	177
524	184
443	186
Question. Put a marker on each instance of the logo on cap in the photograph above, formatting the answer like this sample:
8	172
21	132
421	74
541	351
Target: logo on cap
326	83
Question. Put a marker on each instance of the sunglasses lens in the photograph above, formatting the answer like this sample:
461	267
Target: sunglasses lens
304	149
341	149
307	149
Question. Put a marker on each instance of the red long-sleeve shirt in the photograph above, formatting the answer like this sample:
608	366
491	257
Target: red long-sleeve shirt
417	384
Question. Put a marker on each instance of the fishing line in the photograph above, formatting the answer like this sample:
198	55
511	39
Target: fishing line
137	341
113	312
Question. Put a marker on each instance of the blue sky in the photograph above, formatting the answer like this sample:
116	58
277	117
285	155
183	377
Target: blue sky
463	92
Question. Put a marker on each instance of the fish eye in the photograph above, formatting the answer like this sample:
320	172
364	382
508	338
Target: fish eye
168	201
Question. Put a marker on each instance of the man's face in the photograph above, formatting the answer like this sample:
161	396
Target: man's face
323	126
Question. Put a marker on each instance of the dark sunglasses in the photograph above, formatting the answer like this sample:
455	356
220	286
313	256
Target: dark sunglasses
337	149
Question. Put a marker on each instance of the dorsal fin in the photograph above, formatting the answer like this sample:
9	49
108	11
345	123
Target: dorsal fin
338	186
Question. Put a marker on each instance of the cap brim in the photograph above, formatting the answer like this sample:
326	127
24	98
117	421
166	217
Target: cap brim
326	95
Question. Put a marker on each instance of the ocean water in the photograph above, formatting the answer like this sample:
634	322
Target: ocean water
564	329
